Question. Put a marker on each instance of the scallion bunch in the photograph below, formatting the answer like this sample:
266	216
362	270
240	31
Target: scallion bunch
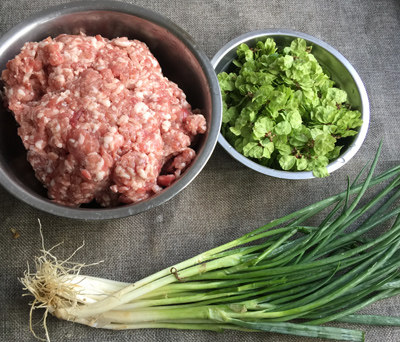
287	276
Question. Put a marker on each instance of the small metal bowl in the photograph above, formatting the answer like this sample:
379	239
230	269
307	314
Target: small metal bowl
338	67
180	58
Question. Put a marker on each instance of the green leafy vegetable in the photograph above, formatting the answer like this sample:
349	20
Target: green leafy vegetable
285	97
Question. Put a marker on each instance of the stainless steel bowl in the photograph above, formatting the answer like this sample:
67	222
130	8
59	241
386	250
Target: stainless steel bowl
181	60
341	72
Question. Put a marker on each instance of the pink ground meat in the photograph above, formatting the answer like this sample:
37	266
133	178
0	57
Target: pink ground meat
98	119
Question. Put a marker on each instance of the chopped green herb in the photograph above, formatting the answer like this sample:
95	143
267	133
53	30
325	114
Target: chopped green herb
282	110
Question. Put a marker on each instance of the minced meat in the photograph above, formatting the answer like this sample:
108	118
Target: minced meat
98	119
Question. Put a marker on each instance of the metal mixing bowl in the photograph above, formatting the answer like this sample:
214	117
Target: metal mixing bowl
337	66
181	60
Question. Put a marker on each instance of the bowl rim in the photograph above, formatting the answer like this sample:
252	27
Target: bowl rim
365	107
17	189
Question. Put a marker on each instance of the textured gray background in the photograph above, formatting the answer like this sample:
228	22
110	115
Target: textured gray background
226	199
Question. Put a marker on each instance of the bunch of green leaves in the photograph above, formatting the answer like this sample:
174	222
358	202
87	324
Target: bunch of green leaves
282	110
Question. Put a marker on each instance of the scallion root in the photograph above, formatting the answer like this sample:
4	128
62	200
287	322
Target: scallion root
54	284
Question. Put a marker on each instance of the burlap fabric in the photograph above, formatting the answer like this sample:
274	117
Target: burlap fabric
226	199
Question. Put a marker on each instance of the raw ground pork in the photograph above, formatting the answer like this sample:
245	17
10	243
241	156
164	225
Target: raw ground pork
98	119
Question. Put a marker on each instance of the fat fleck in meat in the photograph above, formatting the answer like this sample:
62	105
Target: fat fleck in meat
98	119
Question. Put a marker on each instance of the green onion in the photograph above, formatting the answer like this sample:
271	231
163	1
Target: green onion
284	277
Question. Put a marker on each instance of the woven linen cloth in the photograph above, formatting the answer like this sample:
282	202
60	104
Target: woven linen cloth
227	199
